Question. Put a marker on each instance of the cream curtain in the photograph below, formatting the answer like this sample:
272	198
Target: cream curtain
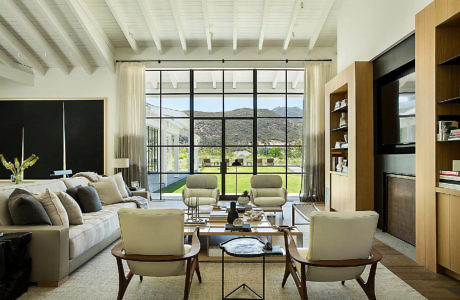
316	76
130	135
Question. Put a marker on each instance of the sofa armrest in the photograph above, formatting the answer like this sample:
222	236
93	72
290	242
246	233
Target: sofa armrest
144	194
49	250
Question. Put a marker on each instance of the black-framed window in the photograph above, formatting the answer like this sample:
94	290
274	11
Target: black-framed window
198	119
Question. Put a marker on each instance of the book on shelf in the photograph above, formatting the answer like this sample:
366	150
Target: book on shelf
450	178
449	173
449	186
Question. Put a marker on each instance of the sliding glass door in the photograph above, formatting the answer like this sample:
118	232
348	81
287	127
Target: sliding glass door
231	123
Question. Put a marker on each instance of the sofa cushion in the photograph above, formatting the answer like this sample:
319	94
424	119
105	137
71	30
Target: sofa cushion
72	208
107	190
96	227
25	209
121	185
191	201
88	199
75	181
73	192
269	201
53	208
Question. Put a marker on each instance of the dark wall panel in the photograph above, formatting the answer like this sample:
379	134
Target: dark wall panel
85	135
11	123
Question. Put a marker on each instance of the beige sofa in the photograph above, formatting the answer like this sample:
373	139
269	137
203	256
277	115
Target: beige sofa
57	251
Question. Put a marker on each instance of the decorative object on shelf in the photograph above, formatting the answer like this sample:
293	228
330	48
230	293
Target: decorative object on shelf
345	137
193	212
232	214
243	200
338	145
338	168
254	215
455	165
238	222
337	105
18	168
343	120
445	128
345	166
236	164
343	103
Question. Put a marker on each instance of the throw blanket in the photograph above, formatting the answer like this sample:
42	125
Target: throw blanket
91	176
141	202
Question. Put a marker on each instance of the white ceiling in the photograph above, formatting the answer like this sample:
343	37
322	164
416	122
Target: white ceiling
42	34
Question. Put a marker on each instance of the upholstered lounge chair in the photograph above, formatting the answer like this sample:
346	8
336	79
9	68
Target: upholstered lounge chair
267	191
152	243
340	248
202	186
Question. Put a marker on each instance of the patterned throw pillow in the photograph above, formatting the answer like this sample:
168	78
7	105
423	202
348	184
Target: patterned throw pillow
72	208
53	208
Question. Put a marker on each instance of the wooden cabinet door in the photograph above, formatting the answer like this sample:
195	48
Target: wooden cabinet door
443	212
454	232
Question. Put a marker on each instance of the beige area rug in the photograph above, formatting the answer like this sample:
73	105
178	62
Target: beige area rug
98	279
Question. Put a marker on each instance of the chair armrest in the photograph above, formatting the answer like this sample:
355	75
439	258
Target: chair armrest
215	194
144	194
185	193
252	195
283	194
49	250
118	252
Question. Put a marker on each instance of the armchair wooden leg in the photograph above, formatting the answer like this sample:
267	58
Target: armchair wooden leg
197	270
286	274
343	282
303	284
123	280
188	278
369	286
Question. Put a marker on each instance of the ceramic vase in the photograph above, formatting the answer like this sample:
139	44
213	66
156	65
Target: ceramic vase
233	213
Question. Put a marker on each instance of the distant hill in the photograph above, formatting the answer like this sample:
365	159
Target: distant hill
293	111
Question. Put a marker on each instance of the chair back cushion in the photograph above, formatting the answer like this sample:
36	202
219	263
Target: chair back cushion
340	236
201	181
153	232
266	181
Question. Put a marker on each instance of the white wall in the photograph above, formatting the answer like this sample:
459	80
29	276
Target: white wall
366	28
78	84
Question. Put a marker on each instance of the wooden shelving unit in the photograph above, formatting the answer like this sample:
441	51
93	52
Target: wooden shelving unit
353	190
437	38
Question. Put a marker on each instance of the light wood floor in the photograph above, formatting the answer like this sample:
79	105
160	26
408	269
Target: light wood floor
430	284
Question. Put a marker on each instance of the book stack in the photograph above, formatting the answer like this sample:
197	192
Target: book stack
449	180
218	216
454	135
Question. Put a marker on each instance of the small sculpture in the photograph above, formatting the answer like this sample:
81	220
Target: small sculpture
238	222
233	213
243	200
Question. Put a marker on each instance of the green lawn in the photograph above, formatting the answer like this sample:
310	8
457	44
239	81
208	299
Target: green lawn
243	179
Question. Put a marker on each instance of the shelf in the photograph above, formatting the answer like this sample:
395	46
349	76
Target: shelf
450	100
338	173
336	149
447	191
340	109
449	141
340	128
451	61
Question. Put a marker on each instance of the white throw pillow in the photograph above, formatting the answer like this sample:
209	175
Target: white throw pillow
53	208
120	184
107	190
72	208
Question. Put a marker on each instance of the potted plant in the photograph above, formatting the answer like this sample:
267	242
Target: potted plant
18	168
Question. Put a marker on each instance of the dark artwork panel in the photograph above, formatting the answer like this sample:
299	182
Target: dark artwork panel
43	137
11	123
84	121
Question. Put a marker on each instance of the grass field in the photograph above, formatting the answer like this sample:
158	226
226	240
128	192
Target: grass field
243	179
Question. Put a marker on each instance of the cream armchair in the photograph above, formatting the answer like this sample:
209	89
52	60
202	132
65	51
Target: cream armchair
152	243
267	191
340	249
202	186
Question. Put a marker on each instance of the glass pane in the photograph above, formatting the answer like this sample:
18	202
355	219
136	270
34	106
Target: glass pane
240	181
152	106
238	132
175	105
208	81
294	183
153	159
294	127
152	82
271	106
271	159
271	81
271	131
209	159
175	82
295	106
208	106
296	81
238	81
294	159
153	132
175	132
174	159
243	155
154	185
208	132
172	186
238	105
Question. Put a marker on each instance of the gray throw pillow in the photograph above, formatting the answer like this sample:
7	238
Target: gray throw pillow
73	192
88	199
25	209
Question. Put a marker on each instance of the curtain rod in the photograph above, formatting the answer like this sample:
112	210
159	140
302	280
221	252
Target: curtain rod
220	60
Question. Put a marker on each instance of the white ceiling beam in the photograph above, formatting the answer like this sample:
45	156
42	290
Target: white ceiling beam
145	9
297	79
214	79
122	24
16	75
235	25
278	74
321	21
288	37
204	5
5	59
178	22
12	41
77	55
234	78
35	34
94	31
173	79
262	28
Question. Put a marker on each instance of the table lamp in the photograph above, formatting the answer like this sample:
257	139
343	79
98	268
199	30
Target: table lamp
120	163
